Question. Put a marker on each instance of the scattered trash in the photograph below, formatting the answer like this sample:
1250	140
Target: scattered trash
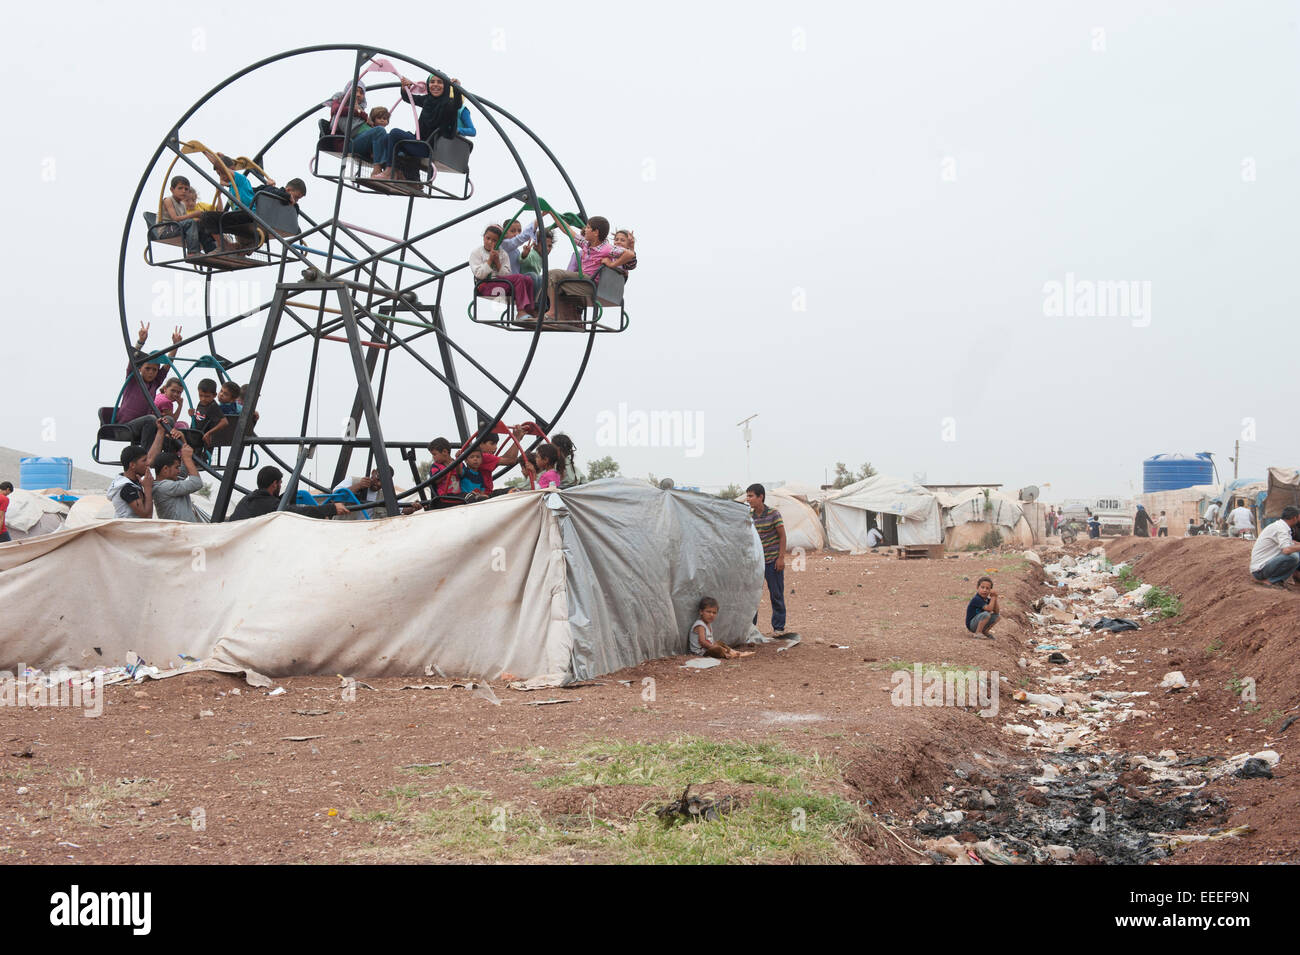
278	691
793	640
1173	681
21	791
1115	624
576	699
203	713
1254	769
1057	658
694	808
702	663
311	712
484	692
299	739
1286	723
424	765
840	646
1174	841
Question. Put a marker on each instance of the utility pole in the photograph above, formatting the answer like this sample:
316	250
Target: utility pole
748	434
1236	457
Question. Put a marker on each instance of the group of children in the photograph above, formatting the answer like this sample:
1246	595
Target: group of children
511	260
442	114
551	465
201	222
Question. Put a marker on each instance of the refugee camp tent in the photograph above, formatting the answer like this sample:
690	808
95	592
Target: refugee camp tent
803	528
847	513
810	493
970	516
1283	491
31	514
553	586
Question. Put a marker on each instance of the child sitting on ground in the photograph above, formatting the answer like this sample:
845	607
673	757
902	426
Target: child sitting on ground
547	459
702	643
982	611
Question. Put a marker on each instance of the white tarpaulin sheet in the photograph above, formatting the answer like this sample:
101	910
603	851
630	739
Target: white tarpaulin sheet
916	508
607	577
802	526
972	506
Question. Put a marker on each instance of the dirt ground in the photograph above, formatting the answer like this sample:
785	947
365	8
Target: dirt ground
128	786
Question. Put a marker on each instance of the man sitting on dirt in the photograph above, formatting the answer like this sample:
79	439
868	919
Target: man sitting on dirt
982	611
266	499
1241	520
874	537
1276	555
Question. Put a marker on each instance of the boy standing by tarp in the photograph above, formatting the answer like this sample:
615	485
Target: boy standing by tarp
771	532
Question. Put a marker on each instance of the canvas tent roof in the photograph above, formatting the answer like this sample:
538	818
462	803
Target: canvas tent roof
803	528
1283	491
554	586
971	506
846	512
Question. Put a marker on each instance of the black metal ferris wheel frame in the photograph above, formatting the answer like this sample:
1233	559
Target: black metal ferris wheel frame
369	399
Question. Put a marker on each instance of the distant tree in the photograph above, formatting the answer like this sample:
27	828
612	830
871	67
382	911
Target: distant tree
603	468
844	476
731	492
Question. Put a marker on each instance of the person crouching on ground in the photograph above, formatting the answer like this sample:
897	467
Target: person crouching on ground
1276	555
982	611
771	532
701	639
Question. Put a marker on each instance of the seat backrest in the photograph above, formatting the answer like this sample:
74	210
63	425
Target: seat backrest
106	415
277	212
452	154
609	286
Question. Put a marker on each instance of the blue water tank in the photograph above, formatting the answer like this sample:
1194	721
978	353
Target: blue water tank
37	473
1169	472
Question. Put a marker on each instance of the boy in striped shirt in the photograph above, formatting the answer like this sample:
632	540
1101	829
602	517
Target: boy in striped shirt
771	532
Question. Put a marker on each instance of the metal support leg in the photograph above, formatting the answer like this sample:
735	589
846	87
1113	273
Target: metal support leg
264	352
368	402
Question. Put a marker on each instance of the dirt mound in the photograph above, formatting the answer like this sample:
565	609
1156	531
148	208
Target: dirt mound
1242	628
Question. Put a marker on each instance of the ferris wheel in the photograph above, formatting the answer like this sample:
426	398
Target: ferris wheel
373	276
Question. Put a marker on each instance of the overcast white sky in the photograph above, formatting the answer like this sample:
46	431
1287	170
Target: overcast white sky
846	220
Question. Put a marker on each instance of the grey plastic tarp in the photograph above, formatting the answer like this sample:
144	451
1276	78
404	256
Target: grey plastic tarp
547	586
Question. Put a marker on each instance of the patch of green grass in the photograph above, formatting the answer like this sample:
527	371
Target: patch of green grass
1236	684
1215	646
792	816
1159	599
675	763
1127	580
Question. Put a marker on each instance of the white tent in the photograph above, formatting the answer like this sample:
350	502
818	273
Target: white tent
847	520
970	515
802	526
548	586
31	515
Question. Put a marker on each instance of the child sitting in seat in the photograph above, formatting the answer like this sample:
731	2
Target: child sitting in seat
547	460
448	485
175	208
472	484
701	639
490	265
206	417
168	401
228	397
364	144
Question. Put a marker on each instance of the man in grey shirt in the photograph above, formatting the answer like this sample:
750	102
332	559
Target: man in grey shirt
171	493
